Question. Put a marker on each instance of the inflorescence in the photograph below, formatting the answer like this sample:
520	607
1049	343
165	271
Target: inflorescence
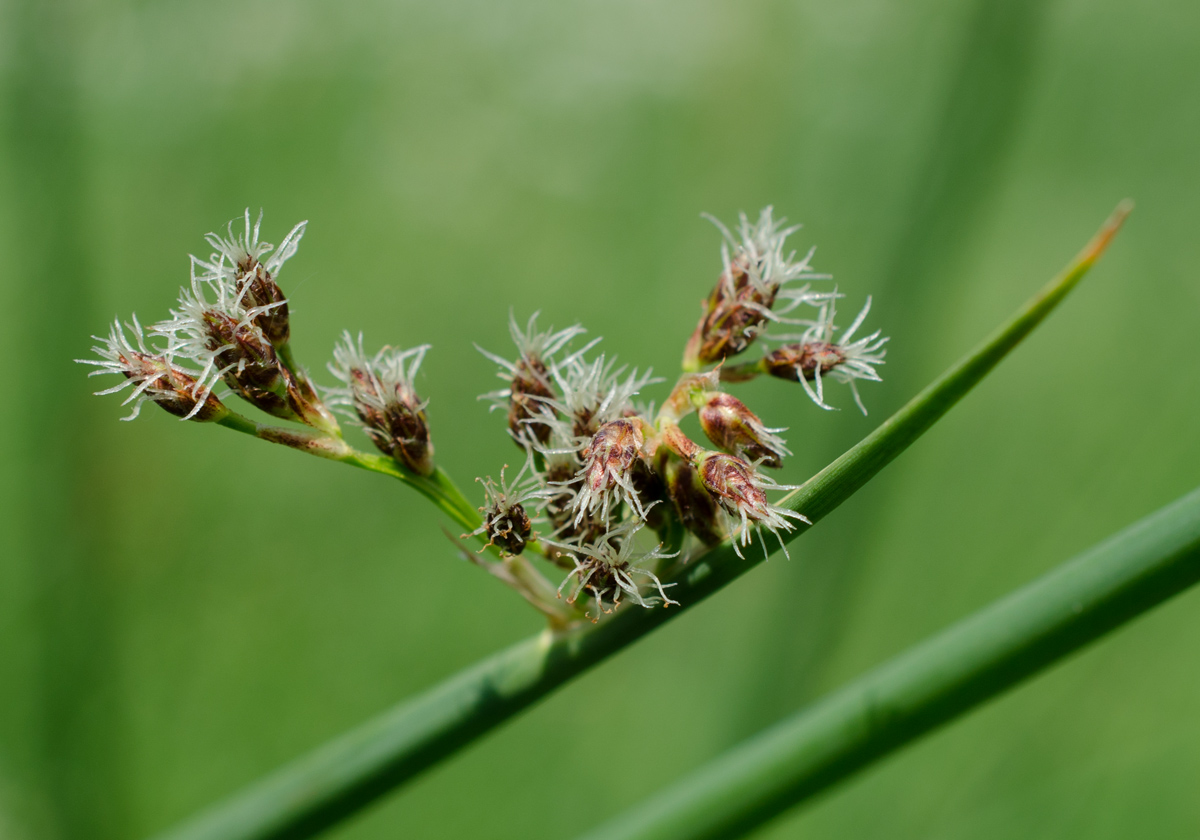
600	472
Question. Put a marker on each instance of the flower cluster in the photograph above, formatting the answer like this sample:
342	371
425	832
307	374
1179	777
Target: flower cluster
610	490
604	571
381	395
815	354
750	292
154	376
232	327
576	419
507	524
750	295
601	469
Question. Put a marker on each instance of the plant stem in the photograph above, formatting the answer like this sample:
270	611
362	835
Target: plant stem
345	775
284	351
896	433
929	685
438	488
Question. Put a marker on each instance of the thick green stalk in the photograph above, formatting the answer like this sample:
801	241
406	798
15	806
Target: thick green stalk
935	682
343	776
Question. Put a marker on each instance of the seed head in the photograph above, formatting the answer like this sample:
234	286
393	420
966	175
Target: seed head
607	473
505	519
604	570
740	305
735	428
154	376
379	391
741	490
592	395
530	384
817	355
224	340
237	263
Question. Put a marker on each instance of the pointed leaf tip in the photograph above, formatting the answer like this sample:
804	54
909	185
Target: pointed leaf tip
1094	249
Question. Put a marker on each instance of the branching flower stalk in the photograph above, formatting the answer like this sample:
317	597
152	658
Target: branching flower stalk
609	468
232	327
601	471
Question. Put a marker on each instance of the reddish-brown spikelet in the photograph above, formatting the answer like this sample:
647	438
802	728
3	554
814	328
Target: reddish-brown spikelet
792	361
733	427
732	316
530	392
395	422
257	288
732	481
172	389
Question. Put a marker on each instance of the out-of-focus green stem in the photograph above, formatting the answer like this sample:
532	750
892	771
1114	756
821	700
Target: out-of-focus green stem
343	776
931	684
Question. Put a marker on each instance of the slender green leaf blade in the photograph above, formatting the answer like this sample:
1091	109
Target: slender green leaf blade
935	682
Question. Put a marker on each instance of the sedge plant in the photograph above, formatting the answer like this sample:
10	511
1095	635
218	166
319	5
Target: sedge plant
614	519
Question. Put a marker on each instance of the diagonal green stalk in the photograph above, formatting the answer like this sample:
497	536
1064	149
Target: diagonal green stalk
929	685
345	775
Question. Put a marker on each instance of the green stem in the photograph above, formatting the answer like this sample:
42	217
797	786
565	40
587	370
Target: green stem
439	488
285	355
875	451
305	440
929	685
345	775
743	372
308	404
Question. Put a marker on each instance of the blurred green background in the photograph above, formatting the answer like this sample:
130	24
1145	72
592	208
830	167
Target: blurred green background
183	609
